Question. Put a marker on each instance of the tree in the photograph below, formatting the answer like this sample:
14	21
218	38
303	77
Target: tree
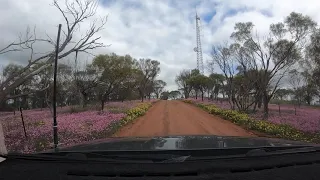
158	87
20	94
281	93
311	66
182	79
165	95
221	55
85	81
74	14
148	71
275	56
174	94
199	82
149	88
296	84
113	71
216	83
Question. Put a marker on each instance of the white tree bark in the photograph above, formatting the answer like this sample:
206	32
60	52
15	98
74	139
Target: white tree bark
3	149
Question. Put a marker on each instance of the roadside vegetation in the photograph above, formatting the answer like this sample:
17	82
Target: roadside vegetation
73	127
94	97
273	77
259	126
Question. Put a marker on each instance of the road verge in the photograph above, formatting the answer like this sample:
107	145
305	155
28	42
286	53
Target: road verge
131	115
283	131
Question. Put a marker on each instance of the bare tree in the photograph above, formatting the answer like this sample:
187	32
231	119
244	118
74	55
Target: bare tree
221	55
74	13
19	45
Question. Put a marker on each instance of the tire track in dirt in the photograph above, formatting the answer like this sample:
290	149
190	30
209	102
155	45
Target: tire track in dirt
166	122
178	118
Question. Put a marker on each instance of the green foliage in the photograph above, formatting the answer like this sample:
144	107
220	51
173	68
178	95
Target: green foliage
182	80
165	95
174	94
148	70
158	87
278	130
113	72
11	70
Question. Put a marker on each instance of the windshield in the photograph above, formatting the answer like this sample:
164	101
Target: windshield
177	74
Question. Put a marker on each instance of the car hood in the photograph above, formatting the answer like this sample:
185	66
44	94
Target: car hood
179	143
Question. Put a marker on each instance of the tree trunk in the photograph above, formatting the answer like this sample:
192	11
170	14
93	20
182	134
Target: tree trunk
82	100
3	149
202	95
259	102
186	95
2	99
102	104
196	94
255	106
265	105
309	101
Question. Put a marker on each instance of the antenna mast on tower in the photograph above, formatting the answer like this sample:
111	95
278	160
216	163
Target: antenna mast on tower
198	49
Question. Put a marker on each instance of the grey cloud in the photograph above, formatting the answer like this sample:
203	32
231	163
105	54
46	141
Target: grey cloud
162	30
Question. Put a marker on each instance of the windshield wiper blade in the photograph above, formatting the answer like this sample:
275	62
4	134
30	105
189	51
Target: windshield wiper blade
137	157
50	157
91	156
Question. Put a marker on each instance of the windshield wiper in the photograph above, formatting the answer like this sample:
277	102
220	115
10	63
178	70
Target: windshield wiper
137	157
90	156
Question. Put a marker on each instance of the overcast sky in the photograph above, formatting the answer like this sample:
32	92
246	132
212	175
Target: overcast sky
163	30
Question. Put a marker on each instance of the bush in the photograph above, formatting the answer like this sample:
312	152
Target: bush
278	130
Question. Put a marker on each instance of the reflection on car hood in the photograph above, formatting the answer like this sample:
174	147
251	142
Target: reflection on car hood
178	142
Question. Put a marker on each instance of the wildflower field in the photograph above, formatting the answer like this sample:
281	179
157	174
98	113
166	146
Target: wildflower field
75	125
302	124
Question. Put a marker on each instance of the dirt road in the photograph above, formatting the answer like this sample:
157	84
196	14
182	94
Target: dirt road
178	118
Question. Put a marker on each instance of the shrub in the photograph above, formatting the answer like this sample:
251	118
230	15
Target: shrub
278	130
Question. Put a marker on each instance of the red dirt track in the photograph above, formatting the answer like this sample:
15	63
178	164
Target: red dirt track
178	118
